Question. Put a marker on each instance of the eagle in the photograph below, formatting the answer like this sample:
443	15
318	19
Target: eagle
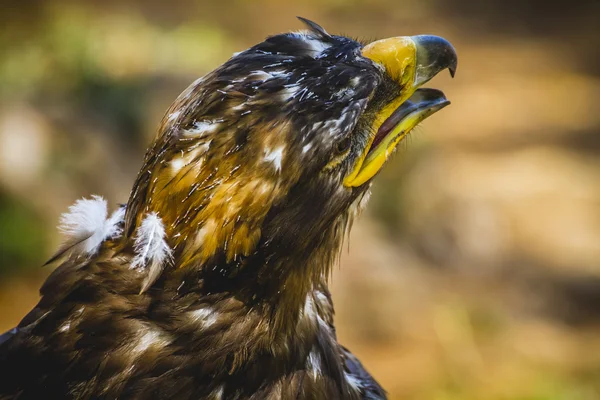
211	281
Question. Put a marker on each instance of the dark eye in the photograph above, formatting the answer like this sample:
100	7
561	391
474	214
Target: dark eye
343	145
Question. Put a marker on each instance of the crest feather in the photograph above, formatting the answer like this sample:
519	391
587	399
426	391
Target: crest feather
315	28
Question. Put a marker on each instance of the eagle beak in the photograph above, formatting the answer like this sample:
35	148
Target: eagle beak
411	62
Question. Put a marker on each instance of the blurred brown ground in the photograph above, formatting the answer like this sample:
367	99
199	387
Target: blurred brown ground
474	273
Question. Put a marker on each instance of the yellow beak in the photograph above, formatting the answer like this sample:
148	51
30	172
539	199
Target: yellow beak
411	62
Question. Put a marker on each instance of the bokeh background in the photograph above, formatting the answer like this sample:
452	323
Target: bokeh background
474	273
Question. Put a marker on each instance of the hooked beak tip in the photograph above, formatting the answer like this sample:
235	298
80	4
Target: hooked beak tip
434	54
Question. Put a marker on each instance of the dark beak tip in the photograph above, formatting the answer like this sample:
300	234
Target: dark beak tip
452	70
437	52
454	64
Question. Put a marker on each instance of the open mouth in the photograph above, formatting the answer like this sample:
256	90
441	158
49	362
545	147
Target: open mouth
411	62
422	104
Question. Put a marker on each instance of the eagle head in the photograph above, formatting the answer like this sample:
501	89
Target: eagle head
260	165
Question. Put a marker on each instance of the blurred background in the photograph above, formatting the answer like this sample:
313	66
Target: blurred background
473	274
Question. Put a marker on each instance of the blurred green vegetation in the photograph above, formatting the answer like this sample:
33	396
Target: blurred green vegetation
473	273
23	235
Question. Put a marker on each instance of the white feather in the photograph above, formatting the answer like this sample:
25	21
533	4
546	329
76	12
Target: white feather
152	252
353	381
274	156
313	363
111	227
86	226
316	46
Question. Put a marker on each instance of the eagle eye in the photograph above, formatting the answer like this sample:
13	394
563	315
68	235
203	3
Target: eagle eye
343	145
